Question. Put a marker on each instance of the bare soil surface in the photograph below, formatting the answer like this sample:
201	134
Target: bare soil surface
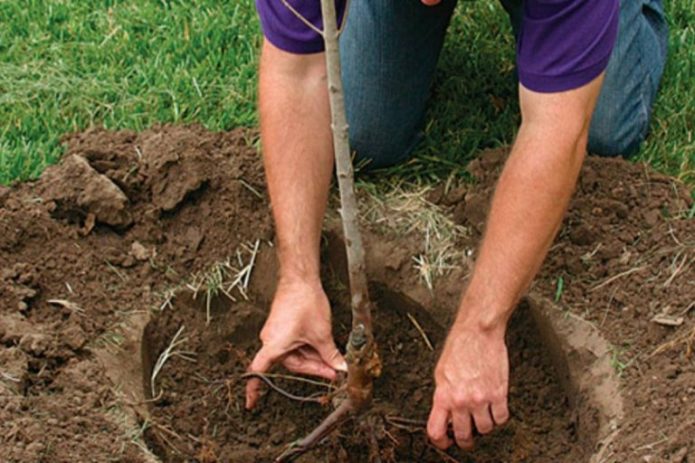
130	230
208	394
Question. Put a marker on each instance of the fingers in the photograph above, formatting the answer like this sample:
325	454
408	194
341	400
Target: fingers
483	419
462	421
331	355
463	429
261	363
298	362
301	361
465	417
431	2
500	412
437	427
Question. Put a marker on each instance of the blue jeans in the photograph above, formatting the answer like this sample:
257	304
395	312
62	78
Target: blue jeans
390	50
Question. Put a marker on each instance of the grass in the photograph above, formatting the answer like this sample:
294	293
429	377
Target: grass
67	65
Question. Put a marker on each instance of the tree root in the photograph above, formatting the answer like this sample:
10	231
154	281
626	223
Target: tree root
281	391
341	414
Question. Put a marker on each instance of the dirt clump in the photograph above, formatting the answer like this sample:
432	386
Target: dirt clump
128	224
79	191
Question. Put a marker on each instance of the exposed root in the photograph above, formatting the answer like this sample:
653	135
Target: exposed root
301	380
158	427
341	414
417	426
443	455
374	451
421	331
406	423
320	400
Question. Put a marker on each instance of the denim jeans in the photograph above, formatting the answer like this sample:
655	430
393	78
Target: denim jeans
390	50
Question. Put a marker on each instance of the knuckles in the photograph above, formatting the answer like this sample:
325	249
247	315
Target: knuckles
469	400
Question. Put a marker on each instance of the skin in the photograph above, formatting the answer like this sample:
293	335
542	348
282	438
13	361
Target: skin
298	161
472	374
531	197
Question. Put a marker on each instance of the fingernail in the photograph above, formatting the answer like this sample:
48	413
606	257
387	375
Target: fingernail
343	366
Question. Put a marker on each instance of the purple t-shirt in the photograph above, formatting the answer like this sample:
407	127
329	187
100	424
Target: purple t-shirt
563	44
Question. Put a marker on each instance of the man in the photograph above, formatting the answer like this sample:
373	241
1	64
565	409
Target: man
570	67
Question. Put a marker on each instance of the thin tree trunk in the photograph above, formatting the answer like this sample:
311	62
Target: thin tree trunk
361	314
363	362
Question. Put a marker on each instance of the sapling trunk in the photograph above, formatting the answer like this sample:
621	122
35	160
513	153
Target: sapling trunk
363	362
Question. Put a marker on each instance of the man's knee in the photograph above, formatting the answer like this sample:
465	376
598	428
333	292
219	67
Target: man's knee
611	135
621	119
380	145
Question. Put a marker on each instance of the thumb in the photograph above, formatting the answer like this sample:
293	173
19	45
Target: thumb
331	355
261	363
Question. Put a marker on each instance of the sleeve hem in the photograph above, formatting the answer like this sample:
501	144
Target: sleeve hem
560	83
298	48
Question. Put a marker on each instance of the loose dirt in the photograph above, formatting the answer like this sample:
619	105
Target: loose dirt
150	230
207	394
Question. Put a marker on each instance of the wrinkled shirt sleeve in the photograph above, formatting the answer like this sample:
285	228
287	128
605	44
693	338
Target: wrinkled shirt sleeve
565	44
284	30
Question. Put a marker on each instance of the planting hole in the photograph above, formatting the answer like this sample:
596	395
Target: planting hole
198	405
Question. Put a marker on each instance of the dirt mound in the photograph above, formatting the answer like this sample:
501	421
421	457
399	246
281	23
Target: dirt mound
98	237
110	234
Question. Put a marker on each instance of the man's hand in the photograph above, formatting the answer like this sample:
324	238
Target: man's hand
472	378
530	201
298	335
431	2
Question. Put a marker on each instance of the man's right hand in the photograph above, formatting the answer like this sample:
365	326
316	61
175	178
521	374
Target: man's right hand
298	335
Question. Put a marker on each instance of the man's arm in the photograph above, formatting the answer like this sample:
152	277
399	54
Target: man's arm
297	154
527	210
298	160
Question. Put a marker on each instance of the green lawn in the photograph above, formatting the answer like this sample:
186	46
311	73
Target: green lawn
67	65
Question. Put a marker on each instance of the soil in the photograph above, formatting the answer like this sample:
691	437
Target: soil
229	433
119	235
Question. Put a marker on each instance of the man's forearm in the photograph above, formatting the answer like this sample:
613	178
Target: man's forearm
528	206
529	203
297	154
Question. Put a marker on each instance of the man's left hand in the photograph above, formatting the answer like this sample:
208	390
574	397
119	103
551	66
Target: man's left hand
472	378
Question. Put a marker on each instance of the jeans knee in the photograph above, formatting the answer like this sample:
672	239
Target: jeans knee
608	138
376	146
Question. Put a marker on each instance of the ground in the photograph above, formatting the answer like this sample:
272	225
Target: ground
129	305
129	309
